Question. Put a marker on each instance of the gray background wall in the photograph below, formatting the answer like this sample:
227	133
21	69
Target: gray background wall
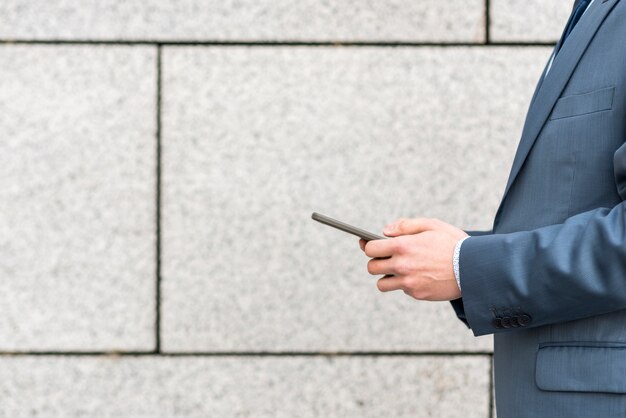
159	161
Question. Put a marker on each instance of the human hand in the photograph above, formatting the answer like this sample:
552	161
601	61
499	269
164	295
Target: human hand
417	259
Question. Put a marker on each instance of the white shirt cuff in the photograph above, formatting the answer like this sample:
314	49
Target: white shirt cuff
455	260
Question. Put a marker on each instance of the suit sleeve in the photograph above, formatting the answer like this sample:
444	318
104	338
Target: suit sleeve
457	304
478	233
553	274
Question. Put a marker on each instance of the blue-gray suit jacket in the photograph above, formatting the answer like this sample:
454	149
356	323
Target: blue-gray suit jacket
550	280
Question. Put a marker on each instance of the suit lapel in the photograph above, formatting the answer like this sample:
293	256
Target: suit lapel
550	89
539	83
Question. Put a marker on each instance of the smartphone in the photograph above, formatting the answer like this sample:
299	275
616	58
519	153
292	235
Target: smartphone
326	220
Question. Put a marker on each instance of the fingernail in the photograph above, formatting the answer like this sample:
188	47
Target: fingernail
389	228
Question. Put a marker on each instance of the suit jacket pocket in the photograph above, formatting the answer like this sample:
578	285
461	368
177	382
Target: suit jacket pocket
581	367
582	104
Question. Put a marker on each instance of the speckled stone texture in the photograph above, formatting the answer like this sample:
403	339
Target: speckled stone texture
256	20
77	178
429	386
529	20
254	140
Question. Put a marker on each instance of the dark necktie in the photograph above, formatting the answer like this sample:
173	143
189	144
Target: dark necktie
579	9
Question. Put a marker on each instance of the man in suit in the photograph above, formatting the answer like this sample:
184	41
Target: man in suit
549	280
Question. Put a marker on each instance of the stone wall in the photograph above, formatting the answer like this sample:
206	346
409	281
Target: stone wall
159	162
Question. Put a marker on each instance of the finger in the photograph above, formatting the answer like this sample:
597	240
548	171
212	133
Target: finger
378	266
362	243
380	248
413	226
389	283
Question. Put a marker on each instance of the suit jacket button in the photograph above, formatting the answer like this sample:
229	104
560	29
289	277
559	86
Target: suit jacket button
506	322
515	321
497	323
524	320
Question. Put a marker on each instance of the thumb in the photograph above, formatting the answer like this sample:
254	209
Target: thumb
410	226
